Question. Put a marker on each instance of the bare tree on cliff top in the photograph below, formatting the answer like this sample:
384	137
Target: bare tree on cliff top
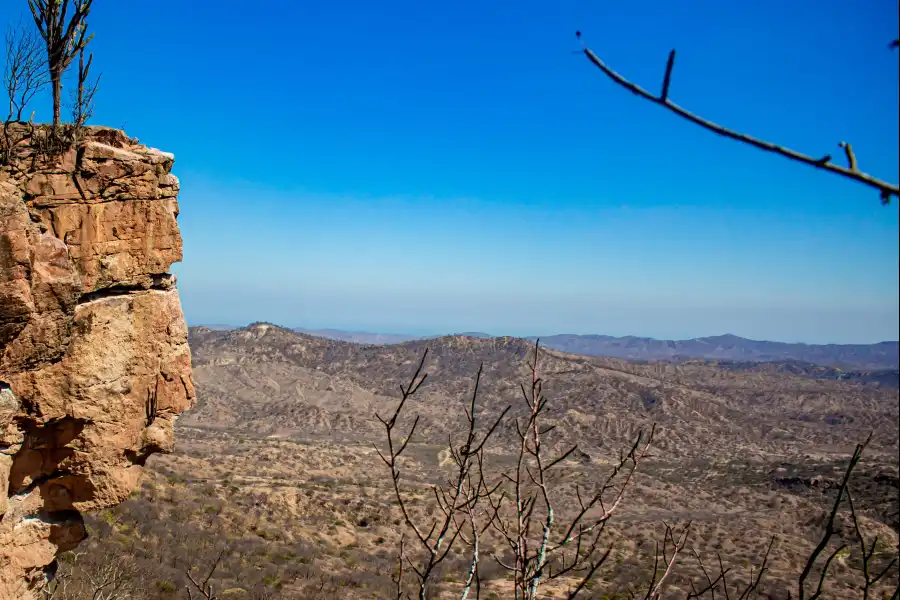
64	40
83	105
25	74
851	171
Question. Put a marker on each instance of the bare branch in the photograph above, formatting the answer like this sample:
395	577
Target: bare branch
83	105
851	157
667	79
64	40
866	552
205	588
399	579
654	592
885	189
829	529
458	501
25	74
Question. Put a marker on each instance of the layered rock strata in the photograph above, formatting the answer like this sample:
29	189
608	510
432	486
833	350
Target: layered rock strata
94	361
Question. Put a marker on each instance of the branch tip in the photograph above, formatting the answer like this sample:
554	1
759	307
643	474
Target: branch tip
668	77
851	172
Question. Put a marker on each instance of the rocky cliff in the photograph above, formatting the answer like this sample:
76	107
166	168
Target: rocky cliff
94	361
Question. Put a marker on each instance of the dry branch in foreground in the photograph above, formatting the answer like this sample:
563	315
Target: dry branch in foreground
851	171
204	587
458	502
519	511
519	523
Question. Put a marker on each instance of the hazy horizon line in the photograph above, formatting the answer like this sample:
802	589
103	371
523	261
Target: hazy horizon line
432	334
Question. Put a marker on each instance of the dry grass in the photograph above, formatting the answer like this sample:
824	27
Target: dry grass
276	463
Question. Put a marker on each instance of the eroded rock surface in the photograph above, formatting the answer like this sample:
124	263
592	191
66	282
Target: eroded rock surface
94	361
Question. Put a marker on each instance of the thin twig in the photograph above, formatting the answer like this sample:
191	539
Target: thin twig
867	552
829	530
459	497
886	189
205	588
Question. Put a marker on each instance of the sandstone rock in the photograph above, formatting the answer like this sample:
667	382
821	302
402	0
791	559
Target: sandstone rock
94	361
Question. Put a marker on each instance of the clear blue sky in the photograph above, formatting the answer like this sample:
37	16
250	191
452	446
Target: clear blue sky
430	167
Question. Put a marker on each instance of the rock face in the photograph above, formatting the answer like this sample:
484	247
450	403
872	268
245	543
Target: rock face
94	361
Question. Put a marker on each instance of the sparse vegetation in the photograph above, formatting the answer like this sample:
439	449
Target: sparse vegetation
291	469
62	27
536	546
25	73
64	38
721	478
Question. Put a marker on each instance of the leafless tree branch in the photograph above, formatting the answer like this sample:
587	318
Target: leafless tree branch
886	189
83	106
829	531
204	587
458	500
64	40
518	514
665	561
25	74
543	547
867	552
720	581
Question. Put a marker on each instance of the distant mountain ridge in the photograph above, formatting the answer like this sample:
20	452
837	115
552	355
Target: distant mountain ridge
358	337
883	355
728	347
276	381
368	337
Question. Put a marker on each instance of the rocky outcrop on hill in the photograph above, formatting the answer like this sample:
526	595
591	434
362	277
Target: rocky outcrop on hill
94	361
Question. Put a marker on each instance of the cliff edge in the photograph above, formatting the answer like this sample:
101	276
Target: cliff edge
94	360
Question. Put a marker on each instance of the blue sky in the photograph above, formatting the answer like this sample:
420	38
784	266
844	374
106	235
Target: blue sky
429	167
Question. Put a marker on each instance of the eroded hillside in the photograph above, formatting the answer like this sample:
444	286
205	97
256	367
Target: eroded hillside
292	383
277	472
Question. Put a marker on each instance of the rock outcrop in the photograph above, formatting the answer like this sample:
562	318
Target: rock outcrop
94	361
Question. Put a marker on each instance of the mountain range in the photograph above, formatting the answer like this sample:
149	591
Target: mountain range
883	355
277	455
866	357
289	382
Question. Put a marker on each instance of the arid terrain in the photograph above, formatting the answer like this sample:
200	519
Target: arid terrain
276	468
882	358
